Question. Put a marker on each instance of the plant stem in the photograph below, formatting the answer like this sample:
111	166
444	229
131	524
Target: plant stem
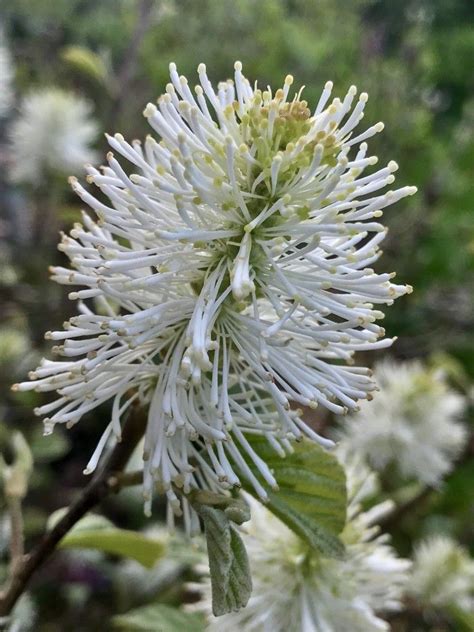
16	532
392	519
130	58
103	483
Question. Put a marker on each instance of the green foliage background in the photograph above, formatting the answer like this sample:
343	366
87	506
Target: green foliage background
413	57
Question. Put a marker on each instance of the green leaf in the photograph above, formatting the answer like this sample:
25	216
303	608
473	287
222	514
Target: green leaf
228	562
86	62
464	619
159	617
96	532
91	522
50	448
312	496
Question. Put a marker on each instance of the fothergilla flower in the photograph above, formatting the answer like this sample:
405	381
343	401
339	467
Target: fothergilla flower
229	269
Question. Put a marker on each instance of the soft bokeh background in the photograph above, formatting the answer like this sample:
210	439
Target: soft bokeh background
413	57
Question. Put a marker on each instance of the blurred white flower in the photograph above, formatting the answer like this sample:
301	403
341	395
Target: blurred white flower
412	423
14	347
52	134
6	78
443	574
232	277
294	588
8	274
24	615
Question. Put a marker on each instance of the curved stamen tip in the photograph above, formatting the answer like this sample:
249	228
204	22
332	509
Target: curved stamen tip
392	166
238	66
149	110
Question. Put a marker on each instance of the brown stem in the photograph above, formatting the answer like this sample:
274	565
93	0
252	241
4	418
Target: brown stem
412	504
120	480
100	486
130	58
392	519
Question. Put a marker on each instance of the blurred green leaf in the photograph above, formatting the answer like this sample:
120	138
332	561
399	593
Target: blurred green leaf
159	617
463	618
312	495
91	522
123	542
16	474
86	62
97	532
50	448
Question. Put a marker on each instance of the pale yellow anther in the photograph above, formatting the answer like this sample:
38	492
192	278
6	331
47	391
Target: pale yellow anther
392	166
150	110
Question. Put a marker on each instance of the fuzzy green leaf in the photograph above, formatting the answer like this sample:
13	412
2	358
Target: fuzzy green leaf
312	496
228	562
158	617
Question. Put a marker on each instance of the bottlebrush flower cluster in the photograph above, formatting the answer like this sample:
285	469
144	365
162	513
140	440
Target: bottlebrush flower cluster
52	135
226	276
443	574
413	425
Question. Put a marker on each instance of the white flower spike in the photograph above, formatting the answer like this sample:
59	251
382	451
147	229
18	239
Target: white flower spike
6	79
443	574
413	423
52	135
295	588
231	275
